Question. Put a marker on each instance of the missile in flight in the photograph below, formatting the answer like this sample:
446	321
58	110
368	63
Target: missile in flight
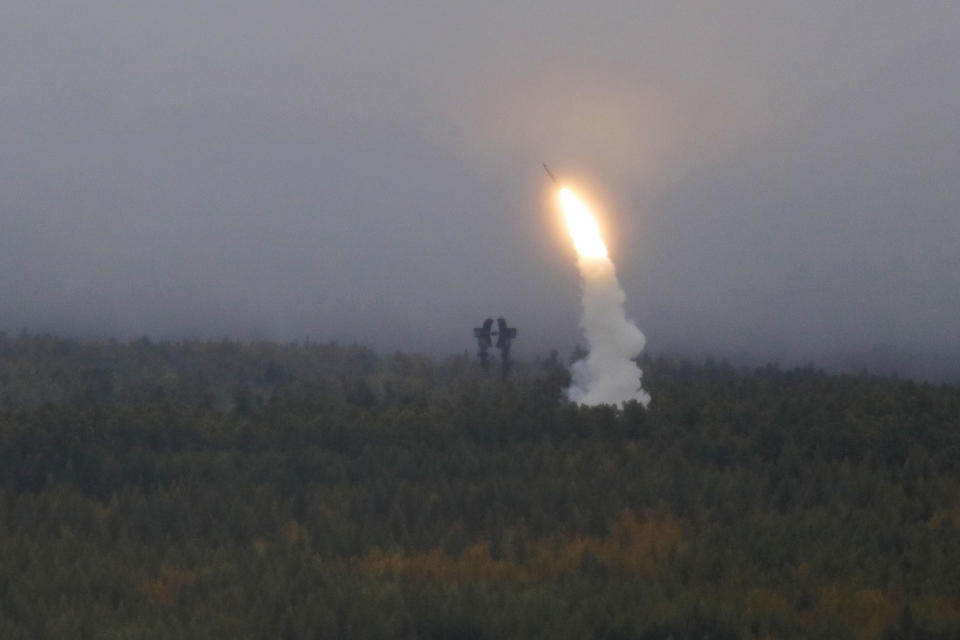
549	173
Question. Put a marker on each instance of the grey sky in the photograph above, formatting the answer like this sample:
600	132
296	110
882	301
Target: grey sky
777	181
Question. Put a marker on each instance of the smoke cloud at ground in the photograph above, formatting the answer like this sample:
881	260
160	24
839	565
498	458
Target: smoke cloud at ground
608	374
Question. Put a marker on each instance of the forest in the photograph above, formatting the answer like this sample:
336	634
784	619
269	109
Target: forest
316	490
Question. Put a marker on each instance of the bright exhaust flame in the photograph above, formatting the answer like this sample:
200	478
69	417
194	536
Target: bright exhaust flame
609	373
583	228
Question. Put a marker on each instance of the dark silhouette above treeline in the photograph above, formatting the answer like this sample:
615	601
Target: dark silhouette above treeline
227	490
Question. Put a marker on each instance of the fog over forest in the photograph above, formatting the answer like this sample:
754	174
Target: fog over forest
775	181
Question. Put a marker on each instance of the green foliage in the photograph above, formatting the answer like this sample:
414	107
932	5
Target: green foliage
163	490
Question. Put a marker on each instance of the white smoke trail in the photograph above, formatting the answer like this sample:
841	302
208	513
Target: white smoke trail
609	374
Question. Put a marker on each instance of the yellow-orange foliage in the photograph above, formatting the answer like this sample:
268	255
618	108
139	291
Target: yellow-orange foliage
867	611
938	608
102	511
635	546
293	532
474	564
164	589
951	515
767	603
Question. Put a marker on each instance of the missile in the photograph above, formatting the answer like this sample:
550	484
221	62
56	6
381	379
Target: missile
549	173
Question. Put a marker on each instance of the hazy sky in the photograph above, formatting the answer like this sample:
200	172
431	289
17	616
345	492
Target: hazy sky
776	181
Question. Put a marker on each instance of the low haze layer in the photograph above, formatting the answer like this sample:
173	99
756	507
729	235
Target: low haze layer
774	182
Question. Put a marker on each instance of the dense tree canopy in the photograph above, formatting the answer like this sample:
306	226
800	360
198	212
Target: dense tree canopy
154	490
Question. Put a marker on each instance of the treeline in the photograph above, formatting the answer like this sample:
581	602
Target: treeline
155	490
